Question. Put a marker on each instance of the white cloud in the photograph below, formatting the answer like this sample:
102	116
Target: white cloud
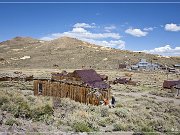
136	32
84	25
148	29
109	28
172	27
166	50
119	44
79	31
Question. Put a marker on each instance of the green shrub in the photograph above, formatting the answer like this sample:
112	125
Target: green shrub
122	113
81	127
59	123
119	105
12	121
31	99
102	123
93	126
146	128
3	99
48	119
105	121
119	127
40	112
22	109
104	112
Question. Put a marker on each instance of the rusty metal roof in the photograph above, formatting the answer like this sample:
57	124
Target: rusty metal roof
91	78
88	75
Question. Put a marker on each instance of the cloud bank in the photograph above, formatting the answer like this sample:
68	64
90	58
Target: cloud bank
80	31
166	50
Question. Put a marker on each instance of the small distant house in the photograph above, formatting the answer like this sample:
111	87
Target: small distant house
143	64
170	83
176	66
85	86
134	67
172	70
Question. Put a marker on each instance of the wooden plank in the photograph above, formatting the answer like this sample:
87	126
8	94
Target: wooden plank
35	84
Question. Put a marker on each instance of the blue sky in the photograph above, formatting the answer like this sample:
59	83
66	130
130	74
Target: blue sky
154	28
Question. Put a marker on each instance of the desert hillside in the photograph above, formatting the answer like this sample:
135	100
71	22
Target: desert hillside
65	52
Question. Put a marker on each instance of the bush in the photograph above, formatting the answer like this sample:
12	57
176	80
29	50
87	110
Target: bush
105	121
81	127
102	123
122	113
119	127
146	128
22	109
59	123
119	105
104	112
12	121
3	99
38	113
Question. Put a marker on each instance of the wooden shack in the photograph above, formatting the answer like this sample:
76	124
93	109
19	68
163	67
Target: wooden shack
170	83
84	86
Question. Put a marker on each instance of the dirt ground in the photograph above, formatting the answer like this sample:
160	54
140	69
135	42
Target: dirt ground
146	107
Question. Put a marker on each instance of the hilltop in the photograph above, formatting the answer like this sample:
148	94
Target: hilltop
66	52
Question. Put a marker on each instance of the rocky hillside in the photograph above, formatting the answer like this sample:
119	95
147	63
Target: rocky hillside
65	52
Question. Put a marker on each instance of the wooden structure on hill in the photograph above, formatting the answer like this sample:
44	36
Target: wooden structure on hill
85	86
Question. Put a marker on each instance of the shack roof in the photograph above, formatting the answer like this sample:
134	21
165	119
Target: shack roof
91	78
88	75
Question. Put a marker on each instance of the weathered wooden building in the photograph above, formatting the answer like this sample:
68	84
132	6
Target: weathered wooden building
170	83
85	86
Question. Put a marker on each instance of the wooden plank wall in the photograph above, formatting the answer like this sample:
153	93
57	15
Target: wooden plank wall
64	90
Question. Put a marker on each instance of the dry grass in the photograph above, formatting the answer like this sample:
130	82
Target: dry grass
132	113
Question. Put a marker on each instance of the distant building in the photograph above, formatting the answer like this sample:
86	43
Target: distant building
172	70
134	67
176	66
143	64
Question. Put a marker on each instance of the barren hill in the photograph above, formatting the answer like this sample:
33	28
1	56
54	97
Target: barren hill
66	52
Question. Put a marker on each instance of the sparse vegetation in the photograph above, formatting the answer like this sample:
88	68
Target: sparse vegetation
12	121
136	111
81	127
